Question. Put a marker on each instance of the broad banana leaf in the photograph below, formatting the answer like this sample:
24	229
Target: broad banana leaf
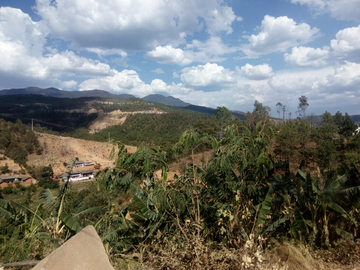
70	222
265	208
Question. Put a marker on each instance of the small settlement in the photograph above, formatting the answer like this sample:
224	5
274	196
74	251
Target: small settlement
82	172
14	179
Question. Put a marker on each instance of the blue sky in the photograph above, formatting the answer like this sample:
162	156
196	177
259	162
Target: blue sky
205	52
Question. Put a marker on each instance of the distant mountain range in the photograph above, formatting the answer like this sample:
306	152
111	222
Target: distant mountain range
169	101
54	92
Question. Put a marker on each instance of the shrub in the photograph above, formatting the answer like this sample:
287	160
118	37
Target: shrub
8	190
97	166
5	169
39	150
48	183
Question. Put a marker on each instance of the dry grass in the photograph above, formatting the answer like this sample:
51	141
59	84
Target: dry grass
289	257
198	255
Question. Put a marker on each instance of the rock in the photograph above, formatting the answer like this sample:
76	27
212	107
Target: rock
83	251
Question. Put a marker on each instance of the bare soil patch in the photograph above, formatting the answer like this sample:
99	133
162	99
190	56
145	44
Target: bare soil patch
14	167
113	118
58	150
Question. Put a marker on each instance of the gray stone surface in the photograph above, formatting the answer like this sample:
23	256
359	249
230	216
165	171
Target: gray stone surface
83	251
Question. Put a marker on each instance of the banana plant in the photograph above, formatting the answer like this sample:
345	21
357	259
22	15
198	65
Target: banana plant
322	197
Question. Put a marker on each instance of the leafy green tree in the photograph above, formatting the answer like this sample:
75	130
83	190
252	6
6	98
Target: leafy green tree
303	105
259	108
327	143
338	117
259	114
347	126
46	178
223	115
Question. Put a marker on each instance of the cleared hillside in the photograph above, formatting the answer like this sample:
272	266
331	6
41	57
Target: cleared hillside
58	149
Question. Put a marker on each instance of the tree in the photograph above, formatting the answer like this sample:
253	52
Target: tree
279	108
223	115
326	146
303	104
338	117
347	126
260	109
324	198
46	178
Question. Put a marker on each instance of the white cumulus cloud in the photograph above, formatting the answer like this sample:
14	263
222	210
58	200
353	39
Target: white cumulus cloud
212	50
347	44
133	25
278	34
347	75
209	77
129	82
22	47
307	57
259	72
168	55
121	82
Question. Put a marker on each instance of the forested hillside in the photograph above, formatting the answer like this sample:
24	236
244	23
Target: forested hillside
155	129
17	141
266	185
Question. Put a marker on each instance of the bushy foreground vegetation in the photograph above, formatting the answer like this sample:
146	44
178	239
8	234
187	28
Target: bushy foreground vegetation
265	184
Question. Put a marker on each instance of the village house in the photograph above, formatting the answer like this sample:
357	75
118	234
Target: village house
76	175
78	164
14	179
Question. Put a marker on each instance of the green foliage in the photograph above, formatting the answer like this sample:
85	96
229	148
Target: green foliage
9	189
5	169
162	130
50	112
247	195
303	105
17	141
327	143
347	126
223	115
45	175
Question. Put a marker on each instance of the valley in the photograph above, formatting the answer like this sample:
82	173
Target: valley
180	181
